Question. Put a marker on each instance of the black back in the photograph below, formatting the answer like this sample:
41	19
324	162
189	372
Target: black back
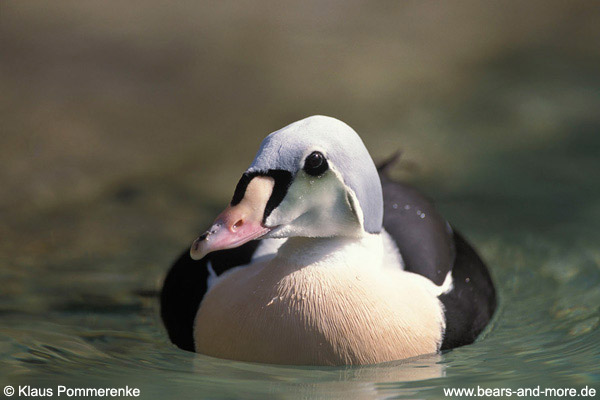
423	237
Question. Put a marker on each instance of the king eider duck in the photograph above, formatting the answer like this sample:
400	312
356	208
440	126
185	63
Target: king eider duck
321	259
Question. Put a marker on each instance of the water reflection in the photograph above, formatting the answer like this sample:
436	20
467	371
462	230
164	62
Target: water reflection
365	382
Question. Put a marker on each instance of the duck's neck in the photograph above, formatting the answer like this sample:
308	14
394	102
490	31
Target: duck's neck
367	249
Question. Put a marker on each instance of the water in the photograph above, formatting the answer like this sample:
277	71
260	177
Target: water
93	320
503	134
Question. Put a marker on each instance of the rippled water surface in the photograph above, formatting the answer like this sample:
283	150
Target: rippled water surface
123	143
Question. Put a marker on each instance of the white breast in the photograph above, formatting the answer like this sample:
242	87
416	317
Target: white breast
321	302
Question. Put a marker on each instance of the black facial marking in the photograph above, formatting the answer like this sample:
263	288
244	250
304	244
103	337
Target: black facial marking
240	188
315	164
282	178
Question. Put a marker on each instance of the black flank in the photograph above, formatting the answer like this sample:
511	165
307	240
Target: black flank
471	303
185	286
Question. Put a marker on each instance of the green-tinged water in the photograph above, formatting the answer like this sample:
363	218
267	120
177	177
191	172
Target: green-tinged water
93	321
125	131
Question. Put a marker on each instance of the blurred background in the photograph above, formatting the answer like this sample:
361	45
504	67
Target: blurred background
126	125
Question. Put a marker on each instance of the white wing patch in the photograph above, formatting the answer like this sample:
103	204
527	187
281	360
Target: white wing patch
447	285
212	276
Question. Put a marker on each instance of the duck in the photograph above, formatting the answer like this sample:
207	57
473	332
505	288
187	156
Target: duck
321	259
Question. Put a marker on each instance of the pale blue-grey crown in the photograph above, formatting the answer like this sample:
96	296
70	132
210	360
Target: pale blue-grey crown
286	148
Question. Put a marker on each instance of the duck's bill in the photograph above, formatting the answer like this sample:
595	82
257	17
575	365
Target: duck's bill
220	237
238	224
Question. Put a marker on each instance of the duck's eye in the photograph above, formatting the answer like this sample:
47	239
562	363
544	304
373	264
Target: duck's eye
315	163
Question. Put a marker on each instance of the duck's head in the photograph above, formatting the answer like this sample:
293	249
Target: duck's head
313	178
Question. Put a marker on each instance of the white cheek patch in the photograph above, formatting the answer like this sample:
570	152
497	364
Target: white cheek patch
317	207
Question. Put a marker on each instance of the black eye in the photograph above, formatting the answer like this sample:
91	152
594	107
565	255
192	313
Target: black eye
315	164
